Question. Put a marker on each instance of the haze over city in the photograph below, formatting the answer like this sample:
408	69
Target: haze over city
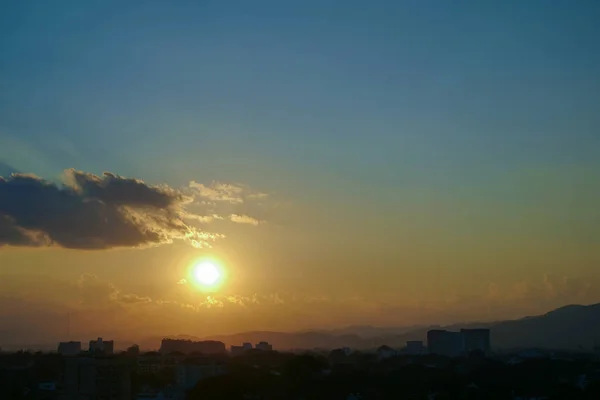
208	168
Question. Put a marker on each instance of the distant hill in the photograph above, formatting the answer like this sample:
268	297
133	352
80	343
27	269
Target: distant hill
367	331
564	328
569	327
295	340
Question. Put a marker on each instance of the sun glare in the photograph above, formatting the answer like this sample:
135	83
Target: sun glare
206	274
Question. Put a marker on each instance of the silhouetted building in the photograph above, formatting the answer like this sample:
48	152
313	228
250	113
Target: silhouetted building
476	340
264	346
133	351
69	348
384	352
97	378
453	344
239	350
149	363
414	347
100	346
445	343
169	346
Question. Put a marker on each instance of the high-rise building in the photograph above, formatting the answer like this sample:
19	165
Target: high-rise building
69	348
476	340
453	344
445	343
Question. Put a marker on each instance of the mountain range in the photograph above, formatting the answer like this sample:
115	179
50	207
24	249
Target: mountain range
571	327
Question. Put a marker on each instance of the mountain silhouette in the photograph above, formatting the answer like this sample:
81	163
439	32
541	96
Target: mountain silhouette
571	327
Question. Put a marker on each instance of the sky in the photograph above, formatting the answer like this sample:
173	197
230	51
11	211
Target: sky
388	163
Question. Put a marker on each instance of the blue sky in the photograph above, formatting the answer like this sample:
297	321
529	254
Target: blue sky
416	133
384	93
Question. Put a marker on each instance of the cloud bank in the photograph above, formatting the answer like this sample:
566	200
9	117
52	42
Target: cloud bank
88	211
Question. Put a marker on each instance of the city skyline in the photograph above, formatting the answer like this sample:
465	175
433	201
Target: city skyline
206	169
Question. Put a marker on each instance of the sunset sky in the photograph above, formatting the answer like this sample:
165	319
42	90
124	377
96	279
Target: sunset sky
341	162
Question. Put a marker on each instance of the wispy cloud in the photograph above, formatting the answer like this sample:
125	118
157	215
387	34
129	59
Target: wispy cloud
226	201
244	219
94	291
225	192
219	192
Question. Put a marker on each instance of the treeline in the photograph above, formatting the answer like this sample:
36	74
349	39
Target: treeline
286	376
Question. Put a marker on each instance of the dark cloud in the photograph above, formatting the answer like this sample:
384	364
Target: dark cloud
114	189
10	233
91	212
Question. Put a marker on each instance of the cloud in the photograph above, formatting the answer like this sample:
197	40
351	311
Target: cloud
114	189
218	192
211	301
95	291
205	219
234	202
243	219
225	192
93	212
131	298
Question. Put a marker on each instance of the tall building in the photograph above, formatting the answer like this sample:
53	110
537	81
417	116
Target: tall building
106	347
476	340
97	378
69	348
453	344
445	343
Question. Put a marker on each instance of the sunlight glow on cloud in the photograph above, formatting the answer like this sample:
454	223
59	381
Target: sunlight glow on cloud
244	219
225	192
92	212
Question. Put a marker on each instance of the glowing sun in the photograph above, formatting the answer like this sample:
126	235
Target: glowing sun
206	273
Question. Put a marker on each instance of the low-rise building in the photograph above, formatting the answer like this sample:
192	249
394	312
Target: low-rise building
100	346
264	346
384	352
239	350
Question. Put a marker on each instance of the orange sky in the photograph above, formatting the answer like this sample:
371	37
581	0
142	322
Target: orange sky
384	163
